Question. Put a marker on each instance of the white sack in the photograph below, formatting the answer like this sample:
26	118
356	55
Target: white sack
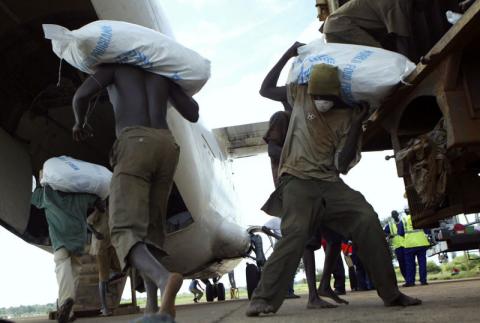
71	175
366	73
453	17
107	41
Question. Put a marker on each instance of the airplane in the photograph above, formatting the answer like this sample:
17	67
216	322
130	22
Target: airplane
204	239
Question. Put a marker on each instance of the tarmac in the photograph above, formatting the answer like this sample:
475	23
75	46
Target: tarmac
455	301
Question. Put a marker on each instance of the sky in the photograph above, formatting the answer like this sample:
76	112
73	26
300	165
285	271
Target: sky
242	39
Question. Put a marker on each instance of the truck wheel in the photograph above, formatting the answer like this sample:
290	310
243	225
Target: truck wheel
253	277
209	292
220	292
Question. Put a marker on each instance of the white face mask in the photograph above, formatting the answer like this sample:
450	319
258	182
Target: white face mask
323	105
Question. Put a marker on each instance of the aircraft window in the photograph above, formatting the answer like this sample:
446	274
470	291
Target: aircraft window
178	216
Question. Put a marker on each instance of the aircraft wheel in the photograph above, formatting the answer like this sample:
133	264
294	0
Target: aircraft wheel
220	292
209	292
253	277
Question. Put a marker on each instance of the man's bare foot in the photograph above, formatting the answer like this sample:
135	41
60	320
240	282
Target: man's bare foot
257	307
332	295
174	282
318	304
404	300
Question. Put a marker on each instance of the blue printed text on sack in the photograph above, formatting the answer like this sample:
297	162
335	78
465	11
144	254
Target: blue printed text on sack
307	64
103	42
69	163
347	74
100	48
134	57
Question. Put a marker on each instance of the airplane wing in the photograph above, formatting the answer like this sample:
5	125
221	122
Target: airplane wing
242	140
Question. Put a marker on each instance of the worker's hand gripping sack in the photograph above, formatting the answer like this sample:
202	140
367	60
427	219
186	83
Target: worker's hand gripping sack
70	175
106	41
366	73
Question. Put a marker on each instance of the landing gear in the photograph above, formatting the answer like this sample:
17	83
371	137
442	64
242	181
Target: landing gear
220	292
215	290
209	294
253	272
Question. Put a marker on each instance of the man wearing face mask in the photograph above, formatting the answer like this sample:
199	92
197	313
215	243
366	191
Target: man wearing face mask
318	147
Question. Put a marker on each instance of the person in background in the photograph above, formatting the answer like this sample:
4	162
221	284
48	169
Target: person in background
196	289
338	271
347	251
275	138
107	261
234	293
416	245
396	236
364	282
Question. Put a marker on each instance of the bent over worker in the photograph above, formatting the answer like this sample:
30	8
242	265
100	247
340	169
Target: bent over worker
323	140
196	289
144	158
66	215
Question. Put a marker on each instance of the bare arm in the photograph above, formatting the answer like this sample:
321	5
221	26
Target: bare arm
89	88
350	148
269	88
184	103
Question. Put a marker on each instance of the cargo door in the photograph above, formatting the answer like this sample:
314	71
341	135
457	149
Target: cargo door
15	184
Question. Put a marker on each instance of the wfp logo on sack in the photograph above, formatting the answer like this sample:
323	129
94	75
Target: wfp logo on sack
347	74
134	57
69	162
308	63
103	42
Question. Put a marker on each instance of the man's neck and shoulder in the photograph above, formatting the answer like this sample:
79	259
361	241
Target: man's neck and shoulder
303	107
139	98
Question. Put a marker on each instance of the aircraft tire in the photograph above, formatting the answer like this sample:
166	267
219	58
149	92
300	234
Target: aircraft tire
209	292
252	274
220	292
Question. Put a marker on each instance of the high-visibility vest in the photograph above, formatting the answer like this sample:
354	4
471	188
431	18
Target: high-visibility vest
396	240
414	237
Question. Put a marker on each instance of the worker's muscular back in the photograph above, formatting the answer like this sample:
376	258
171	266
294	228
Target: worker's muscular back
139	98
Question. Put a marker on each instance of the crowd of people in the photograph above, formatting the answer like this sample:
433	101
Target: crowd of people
317	138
